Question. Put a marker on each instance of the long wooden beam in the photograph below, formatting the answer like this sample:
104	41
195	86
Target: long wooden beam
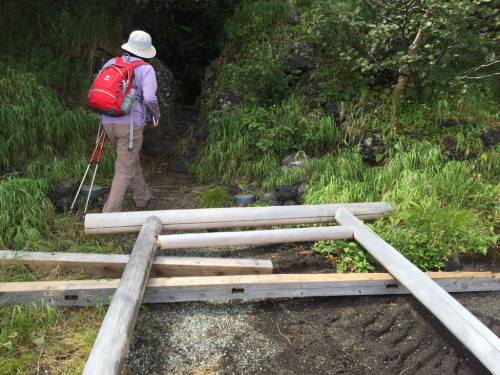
211	218
111	345
113	265
179	289
258	237
483	343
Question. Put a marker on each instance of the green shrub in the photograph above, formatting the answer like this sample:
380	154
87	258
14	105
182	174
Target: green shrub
250	143
375	40
35	121
262	77
349	256
214	198
442	207
254	19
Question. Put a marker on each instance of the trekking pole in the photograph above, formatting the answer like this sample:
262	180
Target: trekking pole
88	167
93	178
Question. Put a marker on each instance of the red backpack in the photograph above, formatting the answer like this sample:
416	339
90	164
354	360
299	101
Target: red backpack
111	84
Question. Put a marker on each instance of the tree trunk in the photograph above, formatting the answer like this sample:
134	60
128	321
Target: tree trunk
404	73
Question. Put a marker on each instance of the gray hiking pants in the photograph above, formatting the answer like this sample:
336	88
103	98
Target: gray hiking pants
127	167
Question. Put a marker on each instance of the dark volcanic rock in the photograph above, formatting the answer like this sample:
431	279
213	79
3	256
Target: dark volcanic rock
365	110
228	97
286	192
269	197
301	189
158	148
276	202
178	167
210	85
490	137
167	94
371	145
295	160
334	109
301	57
233	188
447	123
457	153
311	82
63	204
289	203
294	15
58	190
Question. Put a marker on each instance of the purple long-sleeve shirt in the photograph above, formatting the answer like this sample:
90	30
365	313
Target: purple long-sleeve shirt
145	80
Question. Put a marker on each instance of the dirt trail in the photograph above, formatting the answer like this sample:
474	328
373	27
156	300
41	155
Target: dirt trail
331	335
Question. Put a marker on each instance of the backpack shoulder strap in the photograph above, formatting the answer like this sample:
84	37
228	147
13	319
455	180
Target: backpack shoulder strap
130	65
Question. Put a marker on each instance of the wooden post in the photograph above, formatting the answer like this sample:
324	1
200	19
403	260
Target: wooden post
258	237
212	218
182	289
113	265
111	346
483	343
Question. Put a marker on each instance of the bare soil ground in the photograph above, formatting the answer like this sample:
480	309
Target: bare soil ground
333	335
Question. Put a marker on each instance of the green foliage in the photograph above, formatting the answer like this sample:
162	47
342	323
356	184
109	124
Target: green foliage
63	39
254	19
17	322
214	198
250	142
26	212
376	39
262	77
442	208
349	256
35	121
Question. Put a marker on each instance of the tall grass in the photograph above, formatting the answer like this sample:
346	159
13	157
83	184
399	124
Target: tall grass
35	121
443	207
250	143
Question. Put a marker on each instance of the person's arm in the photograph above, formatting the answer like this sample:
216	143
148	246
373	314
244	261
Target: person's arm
149	87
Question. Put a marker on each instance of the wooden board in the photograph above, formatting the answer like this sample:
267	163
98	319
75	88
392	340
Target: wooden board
111	345
89	292
112	265
483	343
211	218
259	237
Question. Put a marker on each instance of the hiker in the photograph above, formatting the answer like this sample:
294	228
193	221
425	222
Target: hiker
127	167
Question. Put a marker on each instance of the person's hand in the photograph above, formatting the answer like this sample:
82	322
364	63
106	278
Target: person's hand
155	122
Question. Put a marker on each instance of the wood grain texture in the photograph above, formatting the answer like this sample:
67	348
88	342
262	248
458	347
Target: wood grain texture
483	343
113	265
177	289
113	340
258	237
211	218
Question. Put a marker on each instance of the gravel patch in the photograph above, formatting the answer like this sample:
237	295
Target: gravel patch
195	336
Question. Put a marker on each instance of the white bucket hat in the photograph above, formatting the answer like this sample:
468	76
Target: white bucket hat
139	43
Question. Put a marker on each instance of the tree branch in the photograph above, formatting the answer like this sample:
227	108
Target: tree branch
475	69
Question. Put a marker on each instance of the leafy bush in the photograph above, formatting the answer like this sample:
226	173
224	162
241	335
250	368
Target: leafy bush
254	19
263	77
433	41
250	142
442	208
349	256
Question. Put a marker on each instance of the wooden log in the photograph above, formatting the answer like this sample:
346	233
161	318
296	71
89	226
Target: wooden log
258	237
113	265
211	218
483	343
177	289
111	346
